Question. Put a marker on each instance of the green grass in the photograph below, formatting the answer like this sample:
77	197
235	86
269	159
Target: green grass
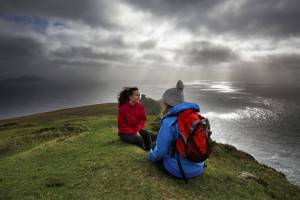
76	154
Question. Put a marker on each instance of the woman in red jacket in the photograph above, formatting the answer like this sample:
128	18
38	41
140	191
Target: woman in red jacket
132	119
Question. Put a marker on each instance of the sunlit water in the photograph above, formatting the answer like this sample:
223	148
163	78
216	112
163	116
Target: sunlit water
261	119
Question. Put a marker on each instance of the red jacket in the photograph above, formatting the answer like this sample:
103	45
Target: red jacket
131	118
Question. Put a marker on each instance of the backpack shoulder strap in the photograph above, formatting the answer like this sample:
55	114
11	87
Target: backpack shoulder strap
194	125
180	167
175	151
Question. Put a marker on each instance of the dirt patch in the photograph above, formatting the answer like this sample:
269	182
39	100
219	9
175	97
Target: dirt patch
54	182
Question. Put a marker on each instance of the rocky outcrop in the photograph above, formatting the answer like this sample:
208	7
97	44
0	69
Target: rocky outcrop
152	107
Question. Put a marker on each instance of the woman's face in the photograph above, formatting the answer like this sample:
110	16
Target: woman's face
135	97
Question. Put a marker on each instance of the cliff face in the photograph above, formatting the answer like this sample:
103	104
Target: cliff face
76	154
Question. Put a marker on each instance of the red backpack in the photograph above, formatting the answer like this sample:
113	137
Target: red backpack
194	140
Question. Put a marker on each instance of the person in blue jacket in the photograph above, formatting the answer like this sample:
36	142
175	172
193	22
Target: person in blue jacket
163	151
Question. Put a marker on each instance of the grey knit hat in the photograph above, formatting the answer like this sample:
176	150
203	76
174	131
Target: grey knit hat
174	96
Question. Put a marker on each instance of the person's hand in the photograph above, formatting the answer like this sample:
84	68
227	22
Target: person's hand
138	133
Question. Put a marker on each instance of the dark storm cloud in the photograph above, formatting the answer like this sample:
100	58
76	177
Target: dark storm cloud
115	48
168	8
24	55
88	11
205	53
268	18
19	47
19	55
29	54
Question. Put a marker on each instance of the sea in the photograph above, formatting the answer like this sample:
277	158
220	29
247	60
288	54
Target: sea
261	119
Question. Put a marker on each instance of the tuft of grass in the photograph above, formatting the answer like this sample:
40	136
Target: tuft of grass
81	157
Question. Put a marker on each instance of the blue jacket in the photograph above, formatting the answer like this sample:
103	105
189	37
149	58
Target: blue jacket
167	135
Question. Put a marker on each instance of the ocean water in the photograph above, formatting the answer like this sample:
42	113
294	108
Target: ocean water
261	119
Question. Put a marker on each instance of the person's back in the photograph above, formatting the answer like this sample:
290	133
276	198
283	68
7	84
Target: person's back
168	134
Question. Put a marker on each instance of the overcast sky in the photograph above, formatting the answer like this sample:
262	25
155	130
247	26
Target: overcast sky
105	41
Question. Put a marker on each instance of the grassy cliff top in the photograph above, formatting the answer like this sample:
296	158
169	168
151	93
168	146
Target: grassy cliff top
76	154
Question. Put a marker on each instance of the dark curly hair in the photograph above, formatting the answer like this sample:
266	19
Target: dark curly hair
125	93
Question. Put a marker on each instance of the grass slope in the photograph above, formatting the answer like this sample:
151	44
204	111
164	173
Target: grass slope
76	154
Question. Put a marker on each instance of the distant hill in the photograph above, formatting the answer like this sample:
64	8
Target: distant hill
75	153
